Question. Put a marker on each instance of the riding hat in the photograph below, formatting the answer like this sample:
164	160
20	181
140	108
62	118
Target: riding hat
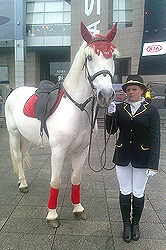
134	80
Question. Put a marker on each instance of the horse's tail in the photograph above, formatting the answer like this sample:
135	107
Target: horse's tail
26	160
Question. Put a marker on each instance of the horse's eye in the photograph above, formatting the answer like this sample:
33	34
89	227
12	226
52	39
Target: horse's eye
89	57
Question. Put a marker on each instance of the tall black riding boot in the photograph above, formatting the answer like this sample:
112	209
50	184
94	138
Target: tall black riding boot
125	206
138	205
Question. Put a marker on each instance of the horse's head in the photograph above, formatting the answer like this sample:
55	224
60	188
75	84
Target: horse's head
99	63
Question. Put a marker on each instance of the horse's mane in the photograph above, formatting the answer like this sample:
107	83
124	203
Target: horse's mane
77	65
73	76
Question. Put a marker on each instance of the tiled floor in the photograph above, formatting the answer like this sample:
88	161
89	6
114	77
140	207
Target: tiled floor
22	216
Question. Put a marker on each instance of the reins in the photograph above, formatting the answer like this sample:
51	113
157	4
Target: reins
106	140
81	106
93	120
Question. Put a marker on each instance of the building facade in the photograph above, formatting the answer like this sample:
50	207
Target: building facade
39	38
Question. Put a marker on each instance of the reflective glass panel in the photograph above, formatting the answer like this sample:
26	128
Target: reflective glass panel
36	18
67	17
35	7
54	17
67	7
53	6
121	4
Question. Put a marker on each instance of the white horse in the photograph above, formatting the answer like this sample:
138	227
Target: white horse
69	126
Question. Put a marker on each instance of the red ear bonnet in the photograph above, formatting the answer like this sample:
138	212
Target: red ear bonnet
111	34
86	35
101	44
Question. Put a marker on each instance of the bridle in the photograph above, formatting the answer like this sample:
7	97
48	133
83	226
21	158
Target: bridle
91	78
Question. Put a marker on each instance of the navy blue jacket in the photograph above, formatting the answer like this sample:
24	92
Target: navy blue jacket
139	135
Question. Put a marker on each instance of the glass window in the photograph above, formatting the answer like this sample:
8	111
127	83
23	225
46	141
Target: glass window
36	18
4	74
67	6
115	4
116	16
54	6
67	17
54	30
35	7
120	11
67	30
54	17
122	4
122	16
48	18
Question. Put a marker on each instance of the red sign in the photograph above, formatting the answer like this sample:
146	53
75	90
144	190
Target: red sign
154	48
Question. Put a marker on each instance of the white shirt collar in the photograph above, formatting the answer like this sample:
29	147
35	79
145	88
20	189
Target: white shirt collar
135	105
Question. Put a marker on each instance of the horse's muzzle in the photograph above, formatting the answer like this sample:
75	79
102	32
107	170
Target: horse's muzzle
104	98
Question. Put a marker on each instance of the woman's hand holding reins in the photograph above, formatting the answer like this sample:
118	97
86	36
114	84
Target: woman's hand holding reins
112	108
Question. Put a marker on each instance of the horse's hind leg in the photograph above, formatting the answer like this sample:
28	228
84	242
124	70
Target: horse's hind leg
18	148
77	165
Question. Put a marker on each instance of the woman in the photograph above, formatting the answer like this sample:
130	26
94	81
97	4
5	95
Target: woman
136	151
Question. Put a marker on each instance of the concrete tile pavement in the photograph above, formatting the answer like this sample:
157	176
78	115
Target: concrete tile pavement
22	216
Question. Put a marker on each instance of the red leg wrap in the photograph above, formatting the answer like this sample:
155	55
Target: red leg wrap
52	203
75	195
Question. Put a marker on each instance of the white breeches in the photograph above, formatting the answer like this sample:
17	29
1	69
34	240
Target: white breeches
131	180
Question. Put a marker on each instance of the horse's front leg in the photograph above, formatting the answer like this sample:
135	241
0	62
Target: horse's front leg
57	159
77	165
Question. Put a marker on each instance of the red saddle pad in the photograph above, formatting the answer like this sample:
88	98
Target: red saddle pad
29	106
30	103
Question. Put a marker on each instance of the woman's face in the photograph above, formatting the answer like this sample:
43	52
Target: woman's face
134	93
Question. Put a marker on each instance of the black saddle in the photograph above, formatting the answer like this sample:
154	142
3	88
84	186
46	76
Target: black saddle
47	97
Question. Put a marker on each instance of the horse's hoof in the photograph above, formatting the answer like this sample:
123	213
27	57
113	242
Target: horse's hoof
53	223
80	215
24	190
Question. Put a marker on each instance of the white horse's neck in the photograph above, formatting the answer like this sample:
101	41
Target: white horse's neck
76	82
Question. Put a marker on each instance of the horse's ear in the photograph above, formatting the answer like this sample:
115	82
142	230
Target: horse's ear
111	34
86	35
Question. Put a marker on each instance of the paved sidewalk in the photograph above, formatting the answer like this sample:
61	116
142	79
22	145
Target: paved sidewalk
22	216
